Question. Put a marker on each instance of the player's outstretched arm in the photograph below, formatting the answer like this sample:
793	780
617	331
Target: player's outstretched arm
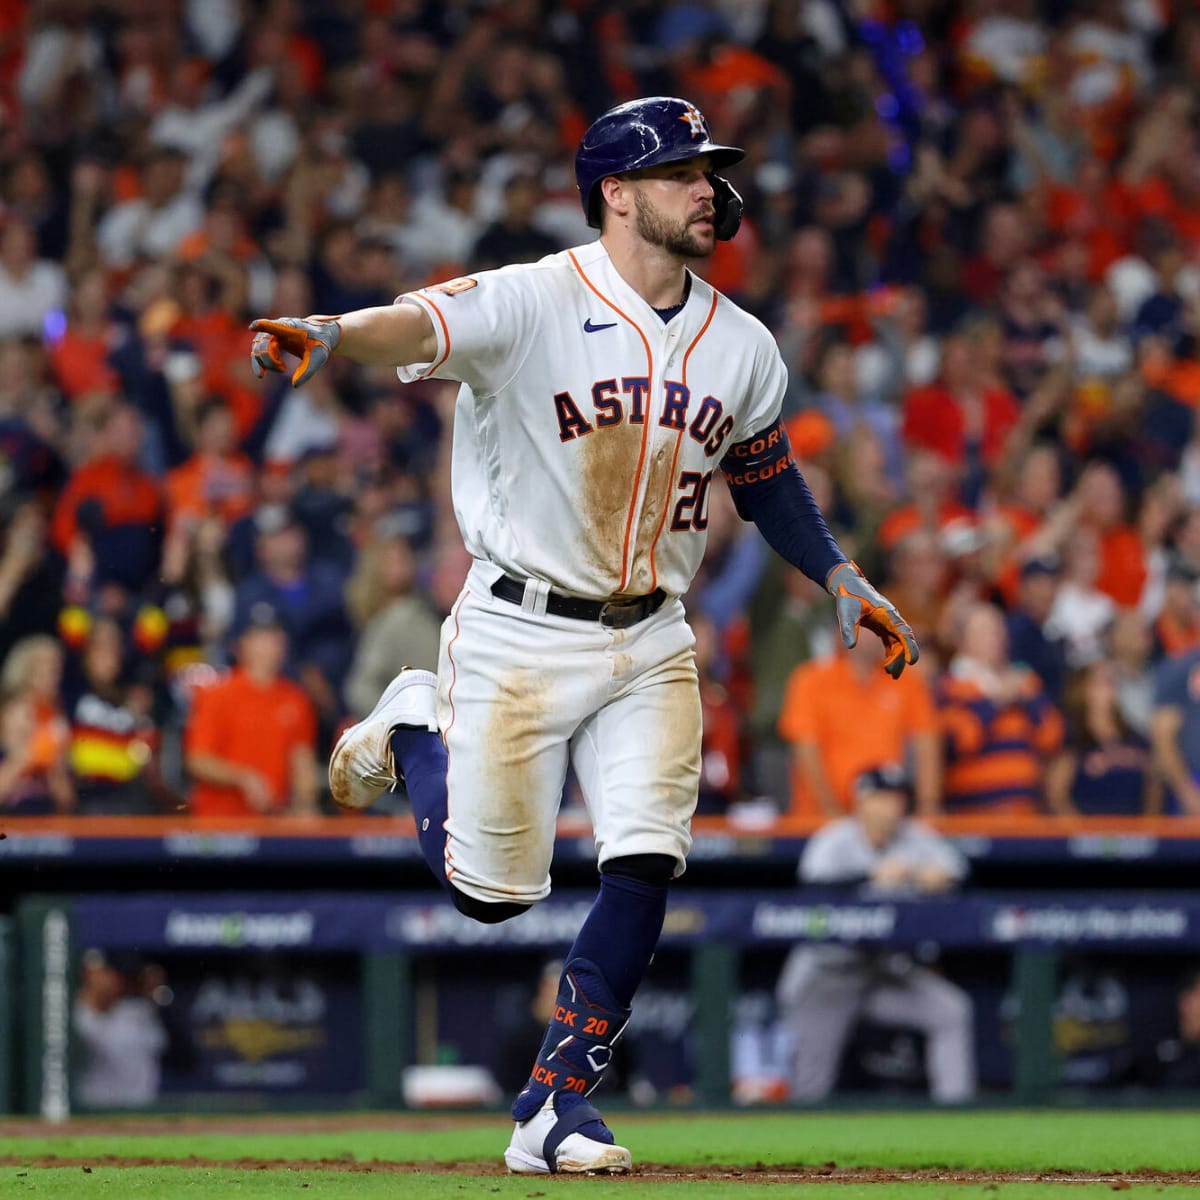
389	336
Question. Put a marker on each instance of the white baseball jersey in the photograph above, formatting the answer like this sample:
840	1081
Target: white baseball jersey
587	431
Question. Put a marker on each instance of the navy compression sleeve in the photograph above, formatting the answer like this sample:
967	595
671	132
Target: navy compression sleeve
769	490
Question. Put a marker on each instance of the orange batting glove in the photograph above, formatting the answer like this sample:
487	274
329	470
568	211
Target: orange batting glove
310	339
858	603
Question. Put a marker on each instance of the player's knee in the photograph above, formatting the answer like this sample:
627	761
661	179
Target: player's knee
655	869
487	912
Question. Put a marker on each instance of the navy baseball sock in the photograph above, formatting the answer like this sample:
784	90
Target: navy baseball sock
421	759
621	931
608	961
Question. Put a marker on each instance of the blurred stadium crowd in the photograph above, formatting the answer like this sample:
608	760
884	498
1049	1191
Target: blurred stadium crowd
973	227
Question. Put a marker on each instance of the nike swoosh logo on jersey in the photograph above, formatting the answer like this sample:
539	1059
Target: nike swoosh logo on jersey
588	327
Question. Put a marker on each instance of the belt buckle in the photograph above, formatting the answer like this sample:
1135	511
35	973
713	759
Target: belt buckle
615	615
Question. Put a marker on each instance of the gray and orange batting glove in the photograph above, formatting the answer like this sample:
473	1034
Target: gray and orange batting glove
311	339
858	603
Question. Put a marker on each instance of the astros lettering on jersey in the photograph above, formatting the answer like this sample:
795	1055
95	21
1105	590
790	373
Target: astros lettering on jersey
625	417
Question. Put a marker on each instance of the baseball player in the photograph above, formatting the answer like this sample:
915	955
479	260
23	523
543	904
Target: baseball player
825	988
602	389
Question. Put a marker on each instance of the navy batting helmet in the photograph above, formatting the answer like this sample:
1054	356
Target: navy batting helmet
646	133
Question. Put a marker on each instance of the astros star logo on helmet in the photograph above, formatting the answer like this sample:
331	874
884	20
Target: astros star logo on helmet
695	121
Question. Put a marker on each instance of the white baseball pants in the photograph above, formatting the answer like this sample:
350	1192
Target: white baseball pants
521	693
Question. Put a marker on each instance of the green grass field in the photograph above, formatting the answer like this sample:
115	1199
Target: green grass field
769	1147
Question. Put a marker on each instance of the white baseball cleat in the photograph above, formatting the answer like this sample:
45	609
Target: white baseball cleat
537	1141
361	767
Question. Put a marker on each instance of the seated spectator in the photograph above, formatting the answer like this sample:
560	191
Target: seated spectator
250	739
110	507
825	988
115	742
999	728
843	715
394	621
1029	643
1175	731
34	779
1105	767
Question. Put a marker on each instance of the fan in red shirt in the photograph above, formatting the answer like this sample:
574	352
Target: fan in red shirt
1006	238
251	737
1092	208
960	410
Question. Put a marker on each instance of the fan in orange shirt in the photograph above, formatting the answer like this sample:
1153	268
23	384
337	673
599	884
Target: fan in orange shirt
843	716
79	359
1122	557
932	483
250	739
216	480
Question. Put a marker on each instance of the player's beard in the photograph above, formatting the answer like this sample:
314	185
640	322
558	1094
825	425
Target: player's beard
675	237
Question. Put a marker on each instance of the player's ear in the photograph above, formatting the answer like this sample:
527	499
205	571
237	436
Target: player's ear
616	193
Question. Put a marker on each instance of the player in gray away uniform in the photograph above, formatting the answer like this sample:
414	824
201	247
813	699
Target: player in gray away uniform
825	989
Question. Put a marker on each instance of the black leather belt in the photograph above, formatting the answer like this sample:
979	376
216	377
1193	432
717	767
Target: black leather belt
613	614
